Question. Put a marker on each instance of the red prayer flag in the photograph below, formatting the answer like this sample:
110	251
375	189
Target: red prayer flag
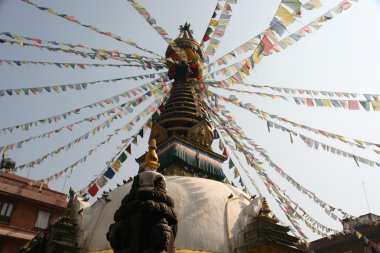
219	32
225	153
93	190
227	7
128	149
206	38
309	102
267	45
353	105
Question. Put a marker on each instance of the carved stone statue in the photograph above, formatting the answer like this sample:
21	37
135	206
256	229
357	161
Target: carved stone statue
146	221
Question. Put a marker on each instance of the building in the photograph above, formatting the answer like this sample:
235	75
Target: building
25	210
212	216
368	230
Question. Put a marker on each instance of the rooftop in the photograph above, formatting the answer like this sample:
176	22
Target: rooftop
17	186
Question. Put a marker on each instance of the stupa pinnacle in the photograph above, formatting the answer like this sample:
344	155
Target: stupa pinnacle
183	131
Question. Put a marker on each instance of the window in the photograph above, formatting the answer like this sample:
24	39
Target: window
6	209
42	220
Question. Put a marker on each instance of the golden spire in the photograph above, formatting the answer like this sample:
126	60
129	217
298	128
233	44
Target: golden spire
151	158
265	212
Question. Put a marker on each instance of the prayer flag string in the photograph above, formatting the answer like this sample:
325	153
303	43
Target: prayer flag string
347	104
151	108
85	136
74	65
74	86
328	208
93	28
303	215
110	54
243	67
101	103
119	157
276	25
149	64
161	31
310	92
264	116
118	111
220	25
311	143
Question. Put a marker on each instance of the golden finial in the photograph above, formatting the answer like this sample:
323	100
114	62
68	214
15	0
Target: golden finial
265	212
151	158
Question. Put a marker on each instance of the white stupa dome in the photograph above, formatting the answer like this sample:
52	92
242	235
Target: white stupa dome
209	219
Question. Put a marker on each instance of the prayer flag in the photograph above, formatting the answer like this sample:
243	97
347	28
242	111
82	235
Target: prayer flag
236	173
209	31
309	102
295	5
230	163
312	4
277	26
285	16
365	105
93	190
225	153
141	133
216	134
116	165
110	173
122	157
353	105
128	149
102	181
376	105
267	44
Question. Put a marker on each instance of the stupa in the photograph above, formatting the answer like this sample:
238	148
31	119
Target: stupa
212	216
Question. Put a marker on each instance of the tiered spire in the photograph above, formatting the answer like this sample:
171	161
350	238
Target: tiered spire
183	132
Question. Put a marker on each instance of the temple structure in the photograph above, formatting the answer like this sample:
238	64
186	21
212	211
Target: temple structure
212	216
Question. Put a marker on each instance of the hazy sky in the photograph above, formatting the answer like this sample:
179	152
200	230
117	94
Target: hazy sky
341	56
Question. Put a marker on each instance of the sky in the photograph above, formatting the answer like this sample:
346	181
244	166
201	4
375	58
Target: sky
341	56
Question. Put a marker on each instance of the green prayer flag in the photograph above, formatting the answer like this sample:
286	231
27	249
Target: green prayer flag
293	4
122	157
230	163
209	31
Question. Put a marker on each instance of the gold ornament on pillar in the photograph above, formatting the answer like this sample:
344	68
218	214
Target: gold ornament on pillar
151	158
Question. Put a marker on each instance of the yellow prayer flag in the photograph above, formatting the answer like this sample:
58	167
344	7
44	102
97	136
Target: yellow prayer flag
316	3
288	41
257	56
213	22
155	92
285	16
116	165
326	102
341	138
376	105
321	19
358	234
